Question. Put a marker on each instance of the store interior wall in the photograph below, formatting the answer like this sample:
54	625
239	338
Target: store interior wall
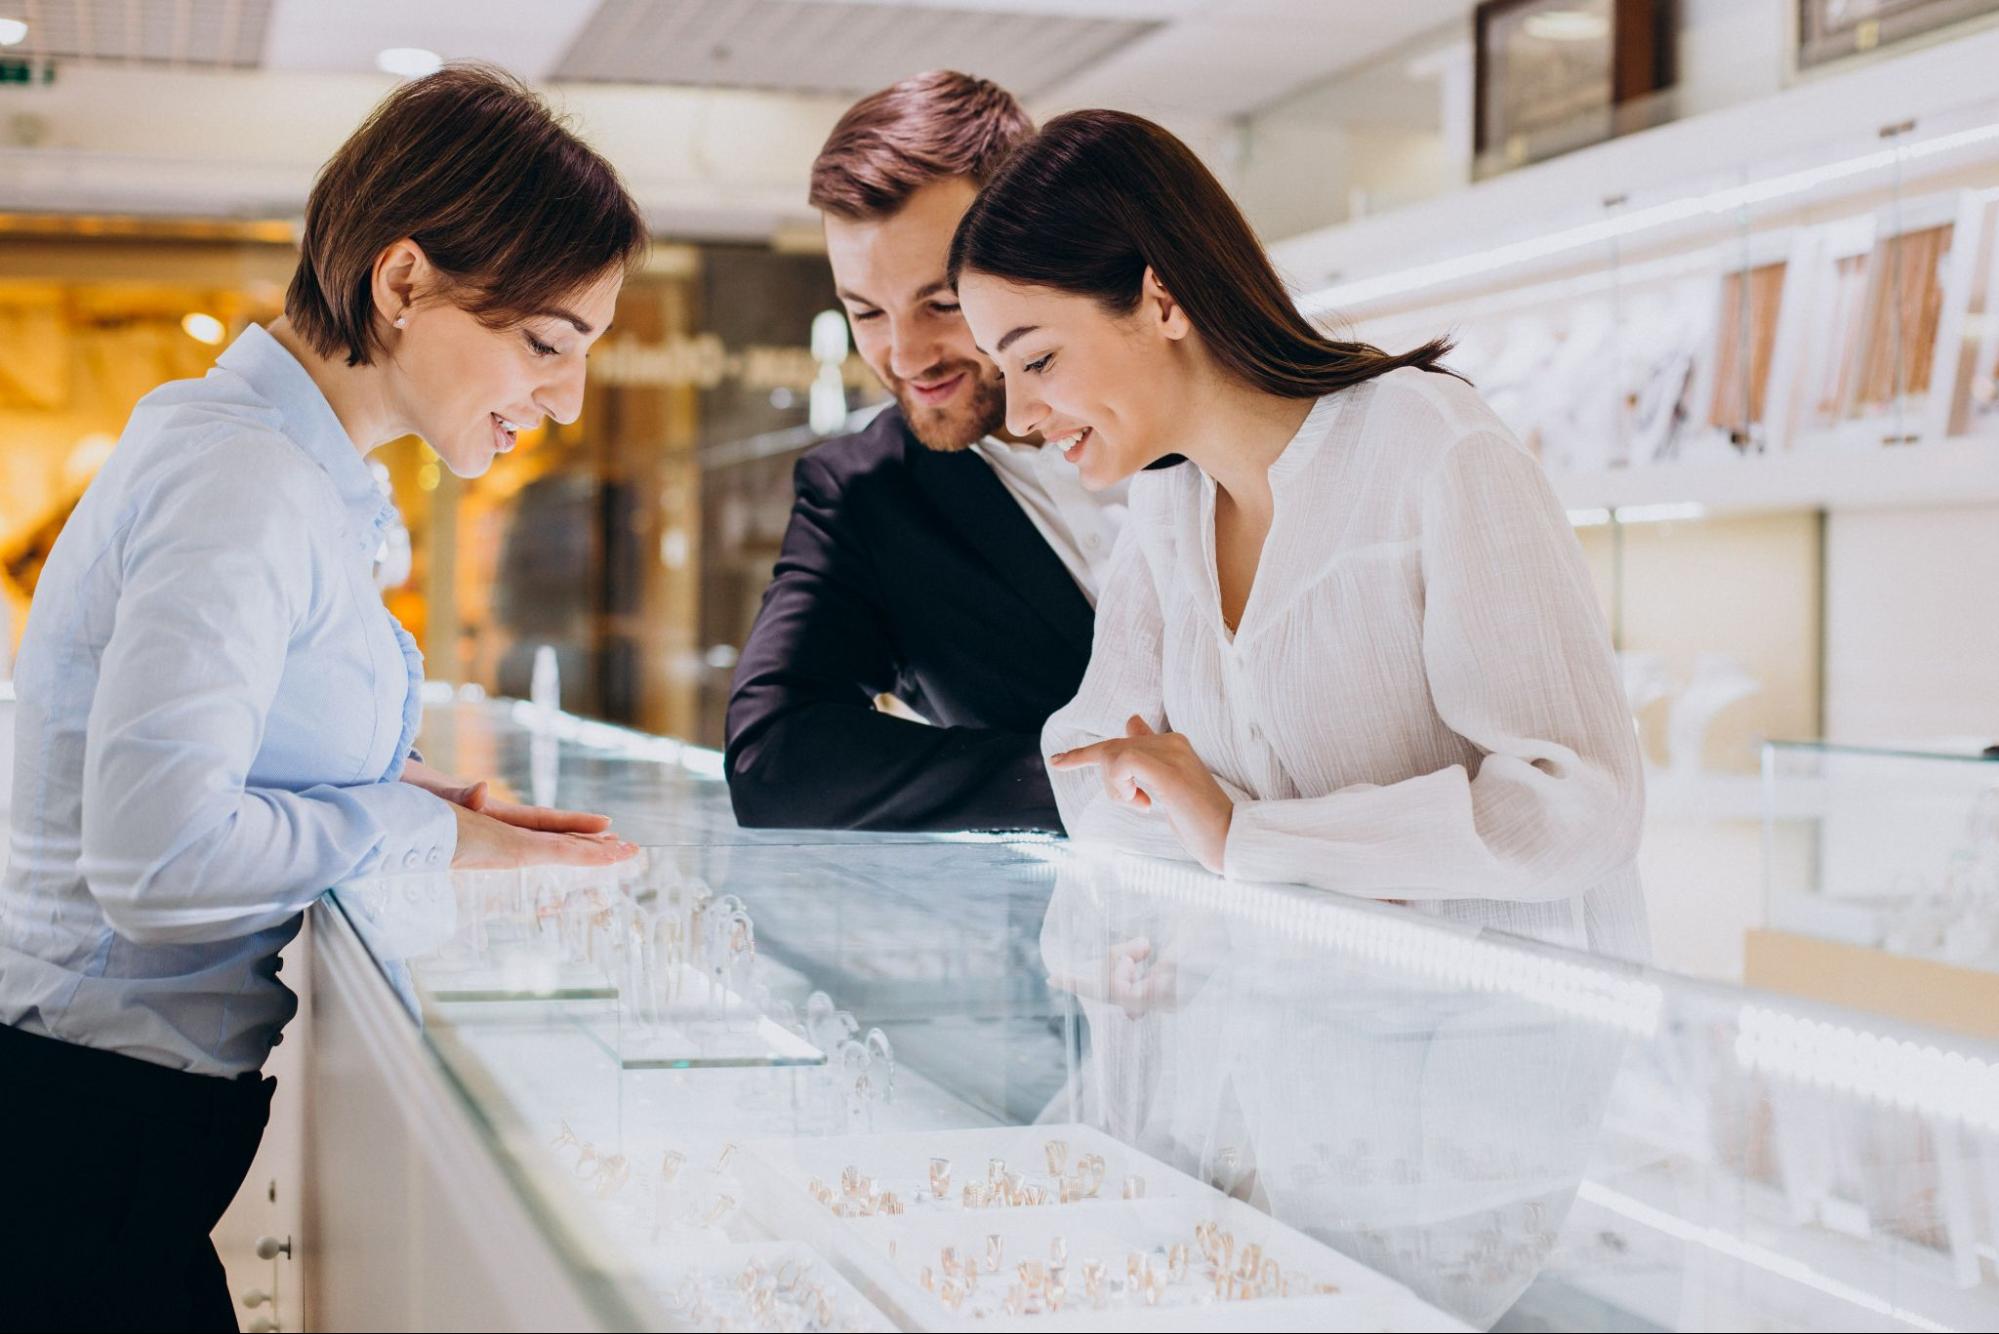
1912	642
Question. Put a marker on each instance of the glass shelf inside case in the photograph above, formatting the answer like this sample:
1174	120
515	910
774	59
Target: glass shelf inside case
1895	849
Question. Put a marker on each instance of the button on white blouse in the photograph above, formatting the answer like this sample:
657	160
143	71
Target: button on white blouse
1420	701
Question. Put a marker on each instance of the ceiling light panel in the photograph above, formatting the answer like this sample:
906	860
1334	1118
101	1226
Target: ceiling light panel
833	46
182	33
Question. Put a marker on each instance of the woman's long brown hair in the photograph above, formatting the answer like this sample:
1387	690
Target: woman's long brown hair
1097	197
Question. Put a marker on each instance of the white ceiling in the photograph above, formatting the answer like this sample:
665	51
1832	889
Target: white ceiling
811	46
343	36
184	33
1230	57
1191	57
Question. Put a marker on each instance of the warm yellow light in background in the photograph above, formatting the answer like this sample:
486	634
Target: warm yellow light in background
203	328
88	455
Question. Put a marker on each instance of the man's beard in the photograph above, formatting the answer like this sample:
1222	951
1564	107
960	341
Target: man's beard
962	424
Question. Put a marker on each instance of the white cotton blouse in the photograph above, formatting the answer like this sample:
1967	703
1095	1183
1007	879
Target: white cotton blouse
1420	702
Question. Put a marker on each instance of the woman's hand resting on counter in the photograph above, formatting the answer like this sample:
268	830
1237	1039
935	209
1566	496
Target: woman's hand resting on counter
485	843
493	833
1147	770
479	797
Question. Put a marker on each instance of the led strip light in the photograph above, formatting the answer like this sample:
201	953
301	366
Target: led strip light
1420	948
1906	1075
1750	1253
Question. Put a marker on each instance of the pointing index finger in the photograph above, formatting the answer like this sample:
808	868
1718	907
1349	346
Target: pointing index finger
1083	757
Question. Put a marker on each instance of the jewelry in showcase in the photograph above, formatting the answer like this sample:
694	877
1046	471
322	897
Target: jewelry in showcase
826	1027
1905	305
1001	1187
1164	1275
1954	918
1865	329
882	1057
532	932
783	1292
605	1172
1665	333
690	931
859	1065
1744	343
1836	316
703	1200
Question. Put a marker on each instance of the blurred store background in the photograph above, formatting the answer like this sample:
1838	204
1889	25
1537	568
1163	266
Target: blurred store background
1727	265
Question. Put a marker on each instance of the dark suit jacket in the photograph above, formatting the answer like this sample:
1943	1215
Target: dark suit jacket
915	573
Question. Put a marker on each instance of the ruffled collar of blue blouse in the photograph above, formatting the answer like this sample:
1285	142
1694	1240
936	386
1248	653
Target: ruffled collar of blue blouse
310	421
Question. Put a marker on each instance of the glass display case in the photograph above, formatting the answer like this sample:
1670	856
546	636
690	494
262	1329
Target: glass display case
783	1081
1891	849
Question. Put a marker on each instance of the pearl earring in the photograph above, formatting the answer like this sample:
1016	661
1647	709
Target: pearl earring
402	321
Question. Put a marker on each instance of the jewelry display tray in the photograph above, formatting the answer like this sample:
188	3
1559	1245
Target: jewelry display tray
714	1266
776	1175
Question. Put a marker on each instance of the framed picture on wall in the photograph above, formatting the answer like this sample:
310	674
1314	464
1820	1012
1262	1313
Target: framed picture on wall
1557	75
1830	30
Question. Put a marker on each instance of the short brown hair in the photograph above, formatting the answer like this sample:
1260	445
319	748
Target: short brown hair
507	203
926	128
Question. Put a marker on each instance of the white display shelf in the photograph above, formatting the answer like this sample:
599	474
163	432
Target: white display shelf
1962	471
1804	128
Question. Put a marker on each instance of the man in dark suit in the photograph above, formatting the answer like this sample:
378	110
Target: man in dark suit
930	556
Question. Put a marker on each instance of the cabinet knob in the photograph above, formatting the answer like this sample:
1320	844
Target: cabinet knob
270	1248
255	1298
266	1325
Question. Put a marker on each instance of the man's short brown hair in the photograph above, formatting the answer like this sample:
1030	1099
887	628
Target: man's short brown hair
924	129
511	208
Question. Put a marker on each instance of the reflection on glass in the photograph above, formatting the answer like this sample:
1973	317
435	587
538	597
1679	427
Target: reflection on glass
1436	1135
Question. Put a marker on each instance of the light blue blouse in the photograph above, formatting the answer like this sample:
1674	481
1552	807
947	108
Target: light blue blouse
213	709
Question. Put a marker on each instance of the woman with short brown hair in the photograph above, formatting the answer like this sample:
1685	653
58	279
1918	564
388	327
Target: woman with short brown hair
216	710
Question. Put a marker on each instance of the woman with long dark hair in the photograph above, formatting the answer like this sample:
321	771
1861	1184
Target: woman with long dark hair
216	709
1348	638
